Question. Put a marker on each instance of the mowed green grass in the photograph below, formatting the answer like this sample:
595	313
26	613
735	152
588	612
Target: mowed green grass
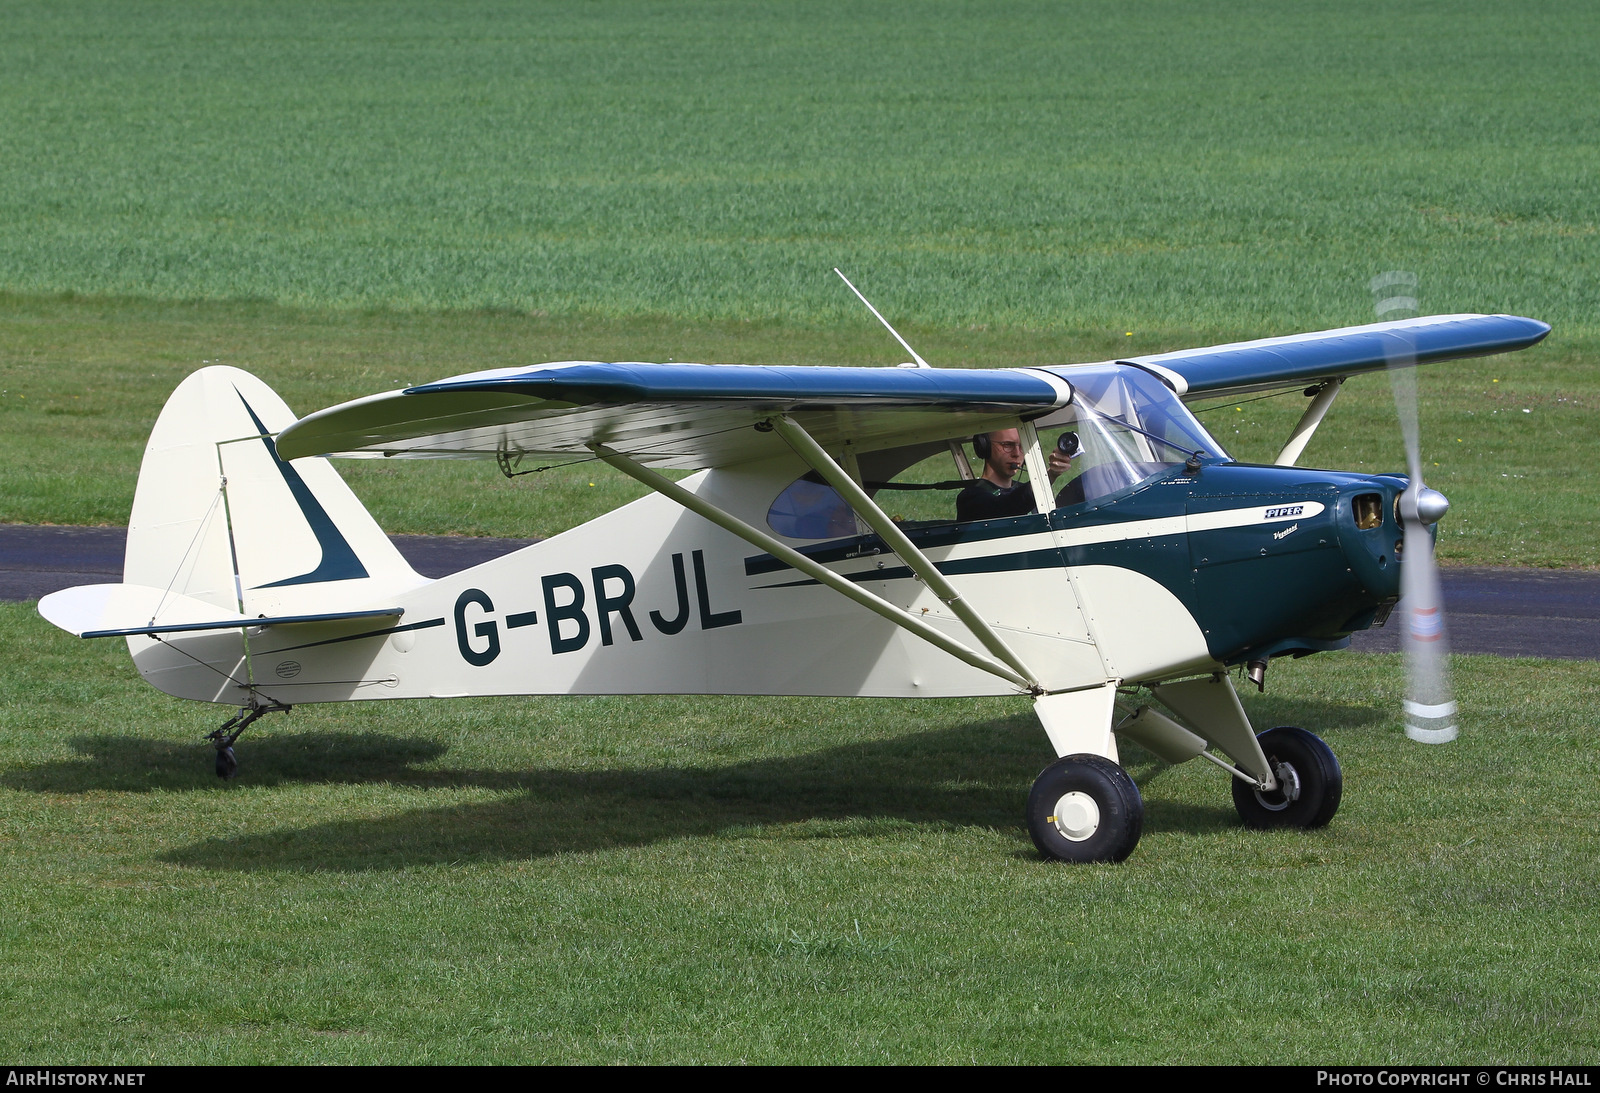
344	201
778	880
1020	163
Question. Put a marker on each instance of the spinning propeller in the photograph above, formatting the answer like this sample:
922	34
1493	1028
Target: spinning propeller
1430	710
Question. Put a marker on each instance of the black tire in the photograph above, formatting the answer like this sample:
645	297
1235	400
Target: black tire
1113	832
1313	765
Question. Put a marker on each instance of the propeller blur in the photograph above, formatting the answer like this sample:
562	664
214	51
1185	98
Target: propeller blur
1430	710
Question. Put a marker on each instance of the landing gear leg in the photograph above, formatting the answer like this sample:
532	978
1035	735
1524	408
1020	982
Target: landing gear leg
1290	778
223	738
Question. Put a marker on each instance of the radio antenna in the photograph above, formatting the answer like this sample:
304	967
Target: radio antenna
920	362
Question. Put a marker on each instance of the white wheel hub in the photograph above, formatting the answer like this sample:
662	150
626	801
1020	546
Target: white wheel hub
1077	816
1288	791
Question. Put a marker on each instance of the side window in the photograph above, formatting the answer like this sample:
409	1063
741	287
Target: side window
1106	459
923	493
811	509
916	484
1066	443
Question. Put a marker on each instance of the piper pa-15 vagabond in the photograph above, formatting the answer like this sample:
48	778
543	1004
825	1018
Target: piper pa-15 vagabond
255	578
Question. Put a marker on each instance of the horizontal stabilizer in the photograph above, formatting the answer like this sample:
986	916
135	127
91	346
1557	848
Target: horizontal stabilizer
123	610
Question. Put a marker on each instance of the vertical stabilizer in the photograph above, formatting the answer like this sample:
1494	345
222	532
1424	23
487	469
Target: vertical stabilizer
219	518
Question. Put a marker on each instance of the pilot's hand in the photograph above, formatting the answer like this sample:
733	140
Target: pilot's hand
1059	464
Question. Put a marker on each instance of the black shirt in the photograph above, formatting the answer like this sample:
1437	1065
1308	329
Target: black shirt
983	500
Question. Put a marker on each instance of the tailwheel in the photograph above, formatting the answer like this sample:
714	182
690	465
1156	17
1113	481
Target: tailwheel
1085	808
223	738
1310	782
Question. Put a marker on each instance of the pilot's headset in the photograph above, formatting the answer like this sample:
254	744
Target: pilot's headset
1067	444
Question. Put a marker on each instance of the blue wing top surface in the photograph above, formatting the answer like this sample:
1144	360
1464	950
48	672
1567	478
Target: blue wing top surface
689	416
683	416
1301	359
791	386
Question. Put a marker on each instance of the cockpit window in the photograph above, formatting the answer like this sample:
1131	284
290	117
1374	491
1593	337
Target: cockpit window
914	485
1122	427
1125	426
811	509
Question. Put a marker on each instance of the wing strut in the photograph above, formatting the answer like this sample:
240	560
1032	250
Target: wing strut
806	447
760	539
1303	431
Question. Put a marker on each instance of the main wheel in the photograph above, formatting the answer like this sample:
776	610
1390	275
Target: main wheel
1310	782
1085	808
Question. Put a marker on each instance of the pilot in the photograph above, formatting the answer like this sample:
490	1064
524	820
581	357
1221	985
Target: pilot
995	493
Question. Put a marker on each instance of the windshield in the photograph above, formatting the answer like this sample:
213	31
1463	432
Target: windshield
1122	427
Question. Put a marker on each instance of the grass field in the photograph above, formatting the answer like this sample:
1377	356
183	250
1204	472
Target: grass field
778	881
1210	166
345	197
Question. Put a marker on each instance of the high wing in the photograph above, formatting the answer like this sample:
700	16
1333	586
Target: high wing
683	416
691	416
1299	360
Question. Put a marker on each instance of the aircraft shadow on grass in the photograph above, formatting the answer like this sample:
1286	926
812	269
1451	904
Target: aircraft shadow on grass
973	775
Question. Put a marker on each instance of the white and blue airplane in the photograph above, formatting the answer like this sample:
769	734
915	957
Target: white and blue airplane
254	577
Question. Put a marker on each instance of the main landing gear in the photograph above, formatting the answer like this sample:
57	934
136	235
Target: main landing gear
1085	808
1310	782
